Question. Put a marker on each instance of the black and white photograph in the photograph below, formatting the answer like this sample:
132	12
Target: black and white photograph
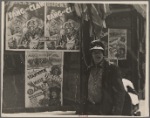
74	58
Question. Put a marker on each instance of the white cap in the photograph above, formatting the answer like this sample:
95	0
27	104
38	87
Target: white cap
96	44
97	47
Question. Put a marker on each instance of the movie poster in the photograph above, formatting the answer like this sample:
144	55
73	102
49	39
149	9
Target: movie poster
24	25
43	79
62	27
117	44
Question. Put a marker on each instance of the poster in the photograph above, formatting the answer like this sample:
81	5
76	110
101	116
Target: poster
117	44
43	79
62	27
24	25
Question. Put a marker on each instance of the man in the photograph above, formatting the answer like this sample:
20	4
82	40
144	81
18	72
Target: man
105	95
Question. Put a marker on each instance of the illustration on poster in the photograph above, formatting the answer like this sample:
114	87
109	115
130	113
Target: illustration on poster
36	87
53	78
16	13
55	14
36	95
37	81
62	28
51	92
57	4
43	79
21	11
66	31
117	44
29	31
26	30
37	73
36	6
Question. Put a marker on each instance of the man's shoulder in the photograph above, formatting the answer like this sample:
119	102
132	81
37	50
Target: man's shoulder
111	66
111	69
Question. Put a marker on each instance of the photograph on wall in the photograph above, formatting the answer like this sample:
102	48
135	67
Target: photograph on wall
24	25
62	26
43	79
117	44
104	40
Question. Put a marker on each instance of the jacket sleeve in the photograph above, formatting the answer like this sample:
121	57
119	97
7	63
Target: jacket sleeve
118	91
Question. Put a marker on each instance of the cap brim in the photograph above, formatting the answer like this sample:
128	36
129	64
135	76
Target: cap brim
97	48
95	41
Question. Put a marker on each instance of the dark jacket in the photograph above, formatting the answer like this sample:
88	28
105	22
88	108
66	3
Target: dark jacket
113	93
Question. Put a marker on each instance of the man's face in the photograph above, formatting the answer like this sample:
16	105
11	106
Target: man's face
97	56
